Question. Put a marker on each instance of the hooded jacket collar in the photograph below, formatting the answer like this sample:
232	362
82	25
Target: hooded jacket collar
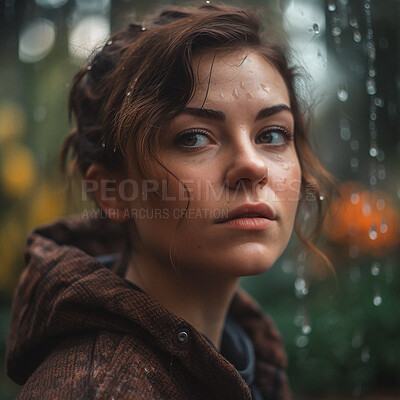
48	304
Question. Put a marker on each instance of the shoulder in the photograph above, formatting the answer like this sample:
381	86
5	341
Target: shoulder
101	366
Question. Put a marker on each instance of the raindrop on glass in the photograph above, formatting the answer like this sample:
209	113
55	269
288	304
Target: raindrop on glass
301	341
354	198
377	300
373	151
355	145
336	31
315	28
375	268
321	197
306	329
381	172
354	22
300	286
366	209
357	339
380	204
372	233
354	163
331	5
355	274
379	102
357	36
370	86
354	251
372	180
372	72
342	93
365	354
345	133
383	228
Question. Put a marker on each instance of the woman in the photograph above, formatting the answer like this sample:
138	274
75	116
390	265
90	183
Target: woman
191	141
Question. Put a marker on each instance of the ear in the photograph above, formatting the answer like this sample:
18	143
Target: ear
104	185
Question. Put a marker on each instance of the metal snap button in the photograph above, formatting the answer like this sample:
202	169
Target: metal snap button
181	337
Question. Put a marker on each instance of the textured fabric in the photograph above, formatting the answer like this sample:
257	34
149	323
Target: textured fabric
80	331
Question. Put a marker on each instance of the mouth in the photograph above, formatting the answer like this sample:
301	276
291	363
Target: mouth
249	214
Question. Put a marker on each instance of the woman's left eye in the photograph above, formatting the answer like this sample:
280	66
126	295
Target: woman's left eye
274	136
193	139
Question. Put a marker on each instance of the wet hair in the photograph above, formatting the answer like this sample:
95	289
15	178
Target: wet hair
143	76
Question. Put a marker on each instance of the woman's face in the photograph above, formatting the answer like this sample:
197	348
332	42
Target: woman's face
233	148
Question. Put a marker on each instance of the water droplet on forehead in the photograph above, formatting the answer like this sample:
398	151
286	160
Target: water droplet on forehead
265	88
242	85
235	93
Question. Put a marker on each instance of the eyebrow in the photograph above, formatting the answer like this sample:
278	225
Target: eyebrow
220	116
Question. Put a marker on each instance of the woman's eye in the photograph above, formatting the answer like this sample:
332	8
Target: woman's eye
193	139
275	137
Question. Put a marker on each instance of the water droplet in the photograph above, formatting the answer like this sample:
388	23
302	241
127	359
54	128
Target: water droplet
354	198
306	329
377	300
375	268
285	166
300	286
365	354
248	95
143	28
367	6
372	180
336	31
381	172
301	341
354	22
331	5
315	28
89	67
321	197
355	274
354	163
380	204
370	86
357	36
208	1
103	145
342	93
357	339
355	145
372	72
345	133
383	228
379	102
235	93
373	151
221	95
278	157
109	43
373	234
128	92
381	155
366	209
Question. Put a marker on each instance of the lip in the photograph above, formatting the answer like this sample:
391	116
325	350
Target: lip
253	216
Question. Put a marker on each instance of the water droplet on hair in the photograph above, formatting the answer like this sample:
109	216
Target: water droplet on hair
321	197
208	1
336	31
375	268
143	28
331	5
315	28
109	43
115	149
89	67
357	36
103	145
342	94
235	93
128	92
373	234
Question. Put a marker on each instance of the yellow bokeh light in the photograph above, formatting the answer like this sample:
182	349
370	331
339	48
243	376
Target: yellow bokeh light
12	122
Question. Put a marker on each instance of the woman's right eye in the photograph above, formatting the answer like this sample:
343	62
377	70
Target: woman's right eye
193	139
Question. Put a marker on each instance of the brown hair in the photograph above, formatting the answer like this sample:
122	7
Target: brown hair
143	77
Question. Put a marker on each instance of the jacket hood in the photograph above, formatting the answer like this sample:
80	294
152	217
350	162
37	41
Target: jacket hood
64	290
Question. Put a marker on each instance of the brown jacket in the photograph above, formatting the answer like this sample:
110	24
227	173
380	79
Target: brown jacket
79	330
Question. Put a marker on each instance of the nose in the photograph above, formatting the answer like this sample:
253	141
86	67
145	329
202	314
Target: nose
247	167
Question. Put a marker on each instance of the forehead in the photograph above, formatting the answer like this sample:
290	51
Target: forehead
230	74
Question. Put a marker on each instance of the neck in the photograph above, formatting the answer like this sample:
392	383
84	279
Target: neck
203	301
